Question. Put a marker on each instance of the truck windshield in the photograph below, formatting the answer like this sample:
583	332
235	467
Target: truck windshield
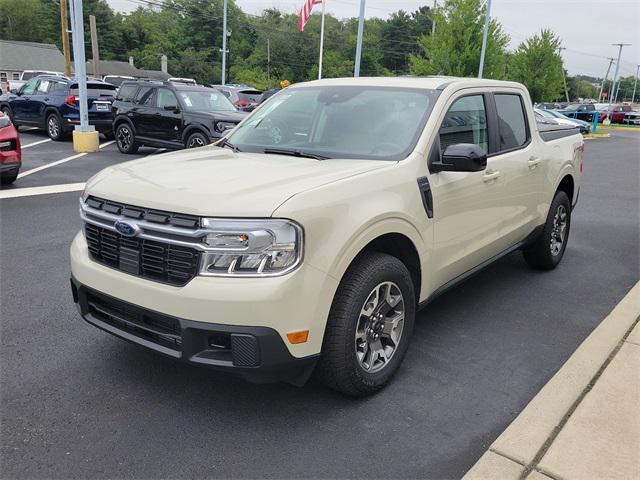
209	99
381	123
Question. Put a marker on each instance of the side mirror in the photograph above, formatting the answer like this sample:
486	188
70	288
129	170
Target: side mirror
461	157
172	108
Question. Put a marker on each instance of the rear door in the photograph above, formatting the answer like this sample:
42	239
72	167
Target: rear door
520	166
168	125
142	114
39	100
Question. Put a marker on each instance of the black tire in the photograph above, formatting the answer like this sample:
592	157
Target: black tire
53	125
196	140
125	139
339	367
543	254
7	178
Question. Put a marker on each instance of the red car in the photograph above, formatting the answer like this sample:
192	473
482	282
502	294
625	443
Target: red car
617	113
10	151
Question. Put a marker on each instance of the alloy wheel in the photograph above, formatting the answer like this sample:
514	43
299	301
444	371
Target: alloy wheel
558	231
380	326
53	127
124	138
195	142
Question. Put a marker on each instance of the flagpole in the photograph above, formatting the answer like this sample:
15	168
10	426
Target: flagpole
321	41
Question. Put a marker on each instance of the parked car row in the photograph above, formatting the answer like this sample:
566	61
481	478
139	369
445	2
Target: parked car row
176	114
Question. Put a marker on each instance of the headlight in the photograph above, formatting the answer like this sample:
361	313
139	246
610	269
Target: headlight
224	126
251	247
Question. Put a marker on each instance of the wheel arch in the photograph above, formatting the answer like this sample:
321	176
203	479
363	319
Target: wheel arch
120	120
567	185
191	129
393	236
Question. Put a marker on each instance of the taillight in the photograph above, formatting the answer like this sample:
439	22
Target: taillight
71	100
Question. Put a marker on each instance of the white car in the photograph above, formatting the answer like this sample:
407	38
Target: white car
313	233
632	118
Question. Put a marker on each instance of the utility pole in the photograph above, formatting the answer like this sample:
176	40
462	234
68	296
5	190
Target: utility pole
95	53
635	84
224	43
269	62
485	33
85	137
433	20
321	42
64	28
606	75
356	71
564	77
615	75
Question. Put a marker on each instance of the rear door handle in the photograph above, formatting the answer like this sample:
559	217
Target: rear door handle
490	176
533	162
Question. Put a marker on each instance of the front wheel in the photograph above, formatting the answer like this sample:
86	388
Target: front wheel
125	139
548	249
7	178
196	140
369	327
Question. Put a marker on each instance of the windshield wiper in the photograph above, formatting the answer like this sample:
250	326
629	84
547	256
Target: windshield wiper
295	153
226	143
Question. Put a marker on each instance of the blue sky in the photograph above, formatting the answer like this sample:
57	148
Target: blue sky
587	27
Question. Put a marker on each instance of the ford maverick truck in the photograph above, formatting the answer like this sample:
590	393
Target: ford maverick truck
308	238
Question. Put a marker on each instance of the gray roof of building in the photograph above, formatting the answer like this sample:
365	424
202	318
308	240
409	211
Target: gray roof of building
15	55
112	67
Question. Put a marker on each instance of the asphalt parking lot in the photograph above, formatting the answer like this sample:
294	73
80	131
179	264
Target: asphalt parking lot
78	403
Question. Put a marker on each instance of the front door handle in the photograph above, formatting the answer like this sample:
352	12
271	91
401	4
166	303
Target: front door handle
490	176
533	162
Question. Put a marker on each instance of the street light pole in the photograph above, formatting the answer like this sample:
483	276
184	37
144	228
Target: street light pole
615	75
80	66
635	84
356	71
564	77
485	33
606	75
224	43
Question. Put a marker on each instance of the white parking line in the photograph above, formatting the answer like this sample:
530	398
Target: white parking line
36	143
26	192
58	162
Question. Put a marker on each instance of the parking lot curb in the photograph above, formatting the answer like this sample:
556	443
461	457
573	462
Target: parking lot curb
526	440
592	136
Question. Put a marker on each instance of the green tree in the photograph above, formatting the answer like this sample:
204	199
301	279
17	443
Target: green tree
454	48
537	64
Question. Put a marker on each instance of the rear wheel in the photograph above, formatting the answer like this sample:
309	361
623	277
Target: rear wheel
548	249
7	178
54	127
369	327
125	139
196	139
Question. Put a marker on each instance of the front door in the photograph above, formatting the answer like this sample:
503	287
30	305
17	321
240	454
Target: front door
21	103
468	207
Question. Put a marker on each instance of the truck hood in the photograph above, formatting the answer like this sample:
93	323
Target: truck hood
214	181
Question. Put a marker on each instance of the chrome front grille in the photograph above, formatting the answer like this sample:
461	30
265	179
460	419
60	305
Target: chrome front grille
149	259
167	248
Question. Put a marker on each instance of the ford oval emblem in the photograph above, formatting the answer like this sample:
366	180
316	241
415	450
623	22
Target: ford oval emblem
126	229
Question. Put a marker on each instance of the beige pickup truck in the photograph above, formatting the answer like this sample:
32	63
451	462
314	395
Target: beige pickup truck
309	237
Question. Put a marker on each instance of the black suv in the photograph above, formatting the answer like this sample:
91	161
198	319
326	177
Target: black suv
169	115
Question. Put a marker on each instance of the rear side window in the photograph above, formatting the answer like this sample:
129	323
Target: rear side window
58	87
465	122
512	124
145	96
127	92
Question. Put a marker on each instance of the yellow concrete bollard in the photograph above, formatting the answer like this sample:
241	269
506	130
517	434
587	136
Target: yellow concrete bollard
84	142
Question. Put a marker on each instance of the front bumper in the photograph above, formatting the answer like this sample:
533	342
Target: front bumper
8	167
256	353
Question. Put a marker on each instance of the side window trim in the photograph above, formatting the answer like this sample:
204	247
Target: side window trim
494	117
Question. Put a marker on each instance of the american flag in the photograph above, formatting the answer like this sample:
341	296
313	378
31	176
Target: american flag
305	12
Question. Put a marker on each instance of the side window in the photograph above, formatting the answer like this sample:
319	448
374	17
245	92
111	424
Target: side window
465	122
145	96
166	98
29	87
512	124
43	87
127	92
58	88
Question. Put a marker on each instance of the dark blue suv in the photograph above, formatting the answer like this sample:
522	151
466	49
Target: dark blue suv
51	102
